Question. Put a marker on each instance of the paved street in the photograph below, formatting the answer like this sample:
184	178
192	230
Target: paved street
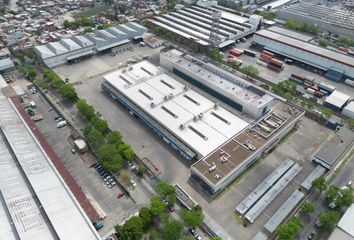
343	177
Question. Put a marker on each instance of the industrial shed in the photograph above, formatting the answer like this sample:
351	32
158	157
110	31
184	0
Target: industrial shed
336	101
349	110
304	52
195	24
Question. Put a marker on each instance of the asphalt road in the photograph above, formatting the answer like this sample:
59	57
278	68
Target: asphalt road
343	177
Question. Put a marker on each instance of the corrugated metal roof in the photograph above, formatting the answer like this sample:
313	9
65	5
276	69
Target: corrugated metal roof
317	172
337	98
263	187
65	214
283	211
267	198
6	64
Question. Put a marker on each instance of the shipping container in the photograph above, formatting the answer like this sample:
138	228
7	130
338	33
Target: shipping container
234	60
343	49
268	53
249	53
277	63
235	52
327	87
319	94
273	68
265	58
310	90
37	117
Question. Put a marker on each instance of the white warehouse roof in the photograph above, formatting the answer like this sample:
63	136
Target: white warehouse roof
172	104
337	99
349	110
347	220
66	218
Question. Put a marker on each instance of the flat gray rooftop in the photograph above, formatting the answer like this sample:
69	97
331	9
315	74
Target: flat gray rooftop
283	211
316	173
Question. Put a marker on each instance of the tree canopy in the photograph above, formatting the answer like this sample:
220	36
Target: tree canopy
193	218
85	109
114	137
329	219
68	92
307	208
250	71
156	206
146	217
131	230
164	189
172	230
319	184
289	230
100	124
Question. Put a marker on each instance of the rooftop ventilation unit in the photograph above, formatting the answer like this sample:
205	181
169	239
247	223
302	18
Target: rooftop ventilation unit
124	70
195	118
181	126
217	176
152	105
200	115
212	167
165	98
130	68
185	88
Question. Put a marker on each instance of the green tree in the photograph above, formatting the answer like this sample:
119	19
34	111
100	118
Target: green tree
308	208
106	152
346	198
319	184
164	189
95	138
329	219
154	235
85	109
67	91
131	230
21	57
156	206
124	174
327	112
29	53
114	164
86	130
250	71
172	230
126	151
146	217
265	86
99	123
88	30
114	137
192	218
289	230
268	15
323	42
216	238
141	170
332	193
215	54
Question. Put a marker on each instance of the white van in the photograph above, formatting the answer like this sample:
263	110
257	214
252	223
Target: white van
62	124
33	104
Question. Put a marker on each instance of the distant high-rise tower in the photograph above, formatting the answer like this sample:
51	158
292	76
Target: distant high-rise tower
214	37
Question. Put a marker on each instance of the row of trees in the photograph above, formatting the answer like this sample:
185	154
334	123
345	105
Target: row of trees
112	151
66	90
154	220
268	15
81	22
348	42
303	27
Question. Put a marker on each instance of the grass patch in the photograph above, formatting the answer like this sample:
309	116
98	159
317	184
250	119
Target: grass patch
239	219
236	180
93	11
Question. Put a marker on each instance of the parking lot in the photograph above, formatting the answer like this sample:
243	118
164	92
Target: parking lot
79	167
301	146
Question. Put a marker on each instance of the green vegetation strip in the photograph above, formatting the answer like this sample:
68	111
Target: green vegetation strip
93	11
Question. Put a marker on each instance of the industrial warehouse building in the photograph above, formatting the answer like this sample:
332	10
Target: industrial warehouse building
233	90
334	64
54	54
195	23
197	127
327	19
196	121
35	201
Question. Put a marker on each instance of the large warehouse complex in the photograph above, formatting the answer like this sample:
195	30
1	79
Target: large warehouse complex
195	23
35	202
336	65
195	120
197	127
54	54
328	19
233	90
